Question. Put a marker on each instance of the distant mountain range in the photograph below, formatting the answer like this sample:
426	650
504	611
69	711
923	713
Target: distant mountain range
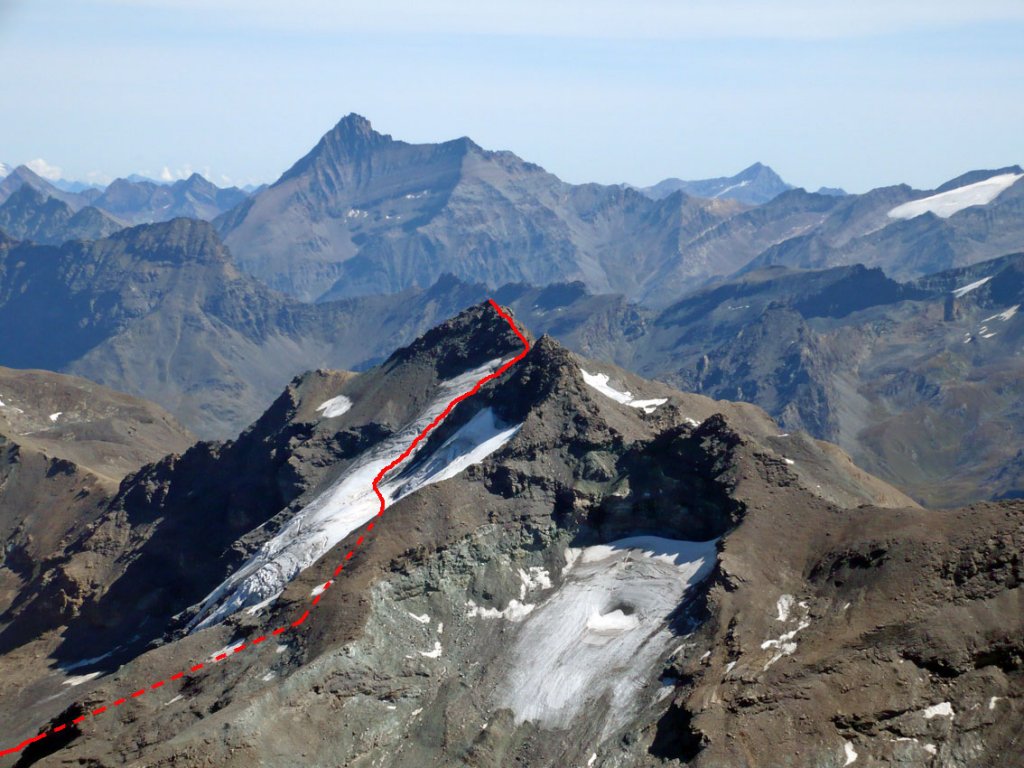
363	213
885	369
125	201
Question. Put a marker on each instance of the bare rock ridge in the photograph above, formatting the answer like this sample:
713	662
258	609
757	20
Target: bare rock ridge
706	589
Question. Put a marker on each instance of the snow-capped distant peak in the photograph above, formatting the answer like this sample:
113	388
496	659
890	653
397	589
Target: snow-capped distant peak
945	204
5	170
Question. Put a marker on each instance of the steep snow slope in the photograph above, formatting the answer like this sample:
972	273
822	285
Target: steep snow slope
350	502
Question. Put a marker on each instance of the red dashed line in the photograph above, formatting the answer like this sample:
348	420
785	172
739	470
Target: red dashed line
340	567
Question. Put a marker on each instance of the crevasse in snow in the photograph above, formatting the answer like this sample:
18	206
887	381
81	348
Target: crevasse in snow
602	632
350	502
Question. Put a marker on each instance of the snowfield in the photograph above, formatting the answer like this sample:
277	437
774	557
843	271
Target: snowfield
350	502
601	634
945	204
599	381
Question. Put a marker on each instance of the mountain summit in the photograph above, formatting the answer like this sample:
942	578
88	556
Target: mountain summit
754	185
576	566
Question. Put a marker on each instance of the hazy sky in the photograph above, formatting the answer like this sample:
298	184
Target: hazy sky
852	94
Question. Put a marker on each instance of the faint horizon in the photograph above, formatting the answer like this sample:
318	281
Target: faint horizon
851	97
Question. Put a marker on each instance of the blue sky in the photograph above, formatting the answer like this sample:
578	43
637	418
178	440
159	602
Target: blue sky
856	95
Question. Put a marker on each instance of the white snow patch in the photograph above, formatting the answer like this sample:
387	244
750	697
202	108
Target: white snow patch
788	461
930	749
945	709
435	653
571	555
3	404
514	611
349	502
81	679
1004	316
783	605
390	706
440	627
851	753
988	335
599	381
729	667
732	187
55	416
254	609
335	406
533	578
602	631
416	712
175	700
592	760
421	618
320	589
945	204
268	677
85	662
992	702
281	649
964	290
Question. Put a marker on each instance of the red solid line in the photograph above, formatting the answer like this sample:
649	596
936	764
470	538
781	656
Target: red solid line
375	485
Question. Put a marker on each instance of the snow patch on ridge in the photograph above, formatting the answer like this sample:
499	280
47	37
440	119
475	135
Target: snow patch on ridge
599	381
602	632
336	406
963	291
349	502
945	204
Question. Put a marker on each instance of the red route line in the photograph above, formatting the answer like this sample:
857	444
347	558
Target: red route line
348	555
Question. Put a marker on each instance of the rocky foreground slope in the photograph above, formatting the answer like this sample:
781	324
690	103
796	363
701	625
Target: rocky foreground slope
578	567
